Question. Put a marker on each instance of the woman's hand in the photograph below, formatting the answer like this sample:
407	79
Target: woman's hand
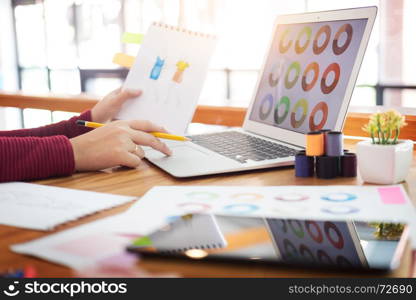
116	144
110	105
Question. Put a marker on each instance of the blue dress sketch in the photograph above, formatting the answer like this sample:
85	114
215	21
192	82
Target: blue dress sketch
157	68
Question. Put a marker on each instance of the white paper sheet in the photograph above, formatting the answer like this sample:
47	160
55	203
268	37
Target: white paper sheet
170	69
44	207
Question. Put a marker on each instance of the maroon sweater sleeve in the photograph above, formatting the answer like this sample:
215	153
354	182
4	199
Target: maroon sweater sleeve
67	128
28	158
42	152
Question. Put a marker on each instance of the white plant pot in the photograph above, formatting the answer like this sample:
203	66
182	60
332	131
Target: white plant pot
384	164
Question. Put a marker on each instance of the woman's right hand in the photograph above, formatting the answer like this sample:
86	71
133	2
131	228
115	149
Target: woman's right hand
116	144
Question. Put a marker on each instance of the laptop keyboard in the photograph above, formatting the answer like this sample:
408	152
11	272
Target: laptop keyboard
242	147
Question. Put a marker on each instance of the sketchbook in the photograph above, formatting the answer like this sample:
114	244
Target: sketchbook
170	69
43	207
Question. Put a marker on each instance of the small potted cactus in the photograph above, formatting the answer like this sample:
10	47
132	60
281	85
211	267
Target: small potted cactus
385	159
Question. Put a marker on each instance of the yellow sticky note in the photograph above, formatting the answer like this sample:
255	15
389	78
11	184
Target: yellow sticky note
123	60
132	38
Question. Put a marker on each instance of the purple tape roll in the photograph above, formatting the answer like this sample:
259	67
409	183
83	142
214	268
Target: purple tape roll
349	165
304	165
334	144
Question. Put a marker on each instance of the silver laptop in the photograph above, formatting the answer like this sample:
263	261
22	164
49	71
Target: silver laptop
305	84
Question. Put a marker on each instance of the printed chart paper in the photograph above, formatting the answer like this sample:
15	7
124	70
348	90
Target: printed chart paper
170	69
43	207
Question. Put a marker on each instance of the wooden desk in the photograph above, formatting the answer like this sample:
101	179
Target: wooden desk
137	182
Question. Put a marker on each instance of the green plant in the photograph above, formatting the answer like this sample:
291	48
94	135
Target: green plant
387	231
384	127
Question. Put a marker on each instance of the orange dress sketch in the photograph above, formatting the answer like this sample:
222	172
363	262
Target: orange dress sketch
181	67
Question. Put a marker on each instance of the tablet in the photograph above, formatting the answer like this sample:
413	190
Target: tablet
310	243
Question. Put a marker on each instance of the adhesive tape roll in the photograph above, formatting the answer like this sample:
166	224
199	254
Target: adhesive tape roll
327	167
315	143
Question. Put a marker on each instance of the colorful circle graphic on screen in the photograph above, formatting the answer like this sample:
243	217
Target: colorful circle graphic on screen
202	195
290	250
289	83
339	197
306	253
314	231
334	235
340	210
346	28
343	262
296	228
323	107
302	103
266	107
194	207
240	209
324	258
306	31
274	75
318	49
283	101
291	197
332	68
314	67
283	46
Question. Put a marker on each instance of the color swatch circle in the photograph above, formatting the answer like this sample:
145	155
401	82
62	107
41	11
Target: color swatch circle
274	75
323	30
321	106
296	228
339	197
291	197
265	112
334	68
324	258
340	210
242	208
314	231
194	207
283	101
296	67
301	48
311	67
302	103
334	235
306	253
290	250
282	46
203	196
247	197
338	50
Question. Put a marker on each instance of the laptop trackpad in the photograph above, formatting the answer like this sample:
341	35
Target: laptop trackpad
182	153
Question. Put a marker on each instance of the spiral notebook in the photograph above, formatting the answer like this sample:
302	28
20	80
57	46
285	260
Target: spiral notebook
170	69
186	232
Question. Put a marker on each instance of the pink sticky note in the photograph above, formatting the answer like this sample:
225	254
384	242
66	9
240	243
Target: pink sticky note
392	195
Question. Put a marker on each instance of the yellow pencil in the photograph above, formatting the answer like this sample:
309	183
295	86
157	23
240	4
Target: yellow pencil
160	135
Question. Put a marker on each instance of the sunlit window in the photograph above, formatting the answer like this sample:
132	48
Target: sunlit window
67	46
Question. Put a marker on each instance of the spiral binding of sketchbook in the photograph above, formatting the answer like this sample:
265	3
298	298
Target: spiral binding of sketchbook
184	30
189	232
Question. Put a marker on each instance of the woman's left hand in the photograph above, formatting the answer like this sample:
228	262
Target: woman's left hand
110	105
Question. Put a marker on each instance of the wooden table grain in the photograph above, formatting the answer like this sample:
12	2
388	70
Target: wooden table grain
136	182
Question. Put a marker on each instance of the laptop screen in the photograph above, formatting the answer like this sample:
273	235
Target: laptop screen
306	74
